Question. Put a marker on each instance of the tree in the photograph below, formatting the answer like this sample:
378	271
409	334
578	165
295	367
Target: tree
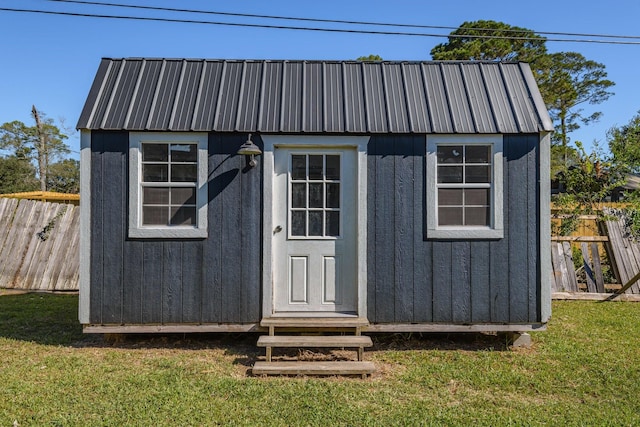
589	181
16	175
562	158
491	41
41	144
64	176
624	143
568	80
370	58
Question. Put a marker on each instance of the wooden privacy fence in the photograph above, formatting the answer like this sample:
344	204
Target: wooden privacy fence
38	245
578	262
565	275
625	249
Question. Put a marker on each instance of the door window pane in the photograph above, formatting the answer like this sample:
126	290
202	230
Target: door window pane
333	195
315	167
315	195
315	223
298	166
299	195
298	223
332	226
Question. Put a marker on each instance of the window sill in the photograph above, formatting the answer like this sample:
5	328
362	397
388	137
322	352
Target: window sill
168	233
465	234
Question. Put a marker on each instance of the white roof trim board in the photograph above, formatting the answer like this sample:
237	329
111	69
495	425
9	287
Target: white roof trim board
139	94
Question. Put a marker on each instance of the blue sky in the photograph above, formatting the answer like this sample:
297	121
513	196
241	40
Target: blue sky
50	60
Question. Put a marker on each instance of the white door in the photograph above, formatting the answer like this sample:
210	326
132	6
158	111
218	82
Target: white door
315	231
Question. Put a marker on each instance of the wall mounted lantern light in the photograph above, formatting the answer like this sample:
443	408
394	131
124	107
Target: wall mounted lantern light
250	149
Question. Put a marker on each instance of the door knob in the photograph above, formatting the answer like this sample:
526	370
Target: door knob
277	229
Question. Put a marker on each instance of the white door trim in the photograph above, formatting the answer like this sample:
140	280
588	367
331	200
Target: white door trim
271	142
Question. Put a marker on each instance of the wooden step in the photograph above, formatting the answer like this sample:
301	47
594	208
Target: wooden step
313	368
346	341
314	322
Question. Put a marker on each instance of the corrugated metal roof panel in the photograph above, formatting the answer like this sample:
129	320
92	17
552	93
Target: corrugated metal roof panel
312	108
291	118
395	98
269	118
498	98
248	106
374	98
314	96
521	100
458	100
165	95
182	114
478	100
94	92
207	97
333	108
417	112
539	107
123	92
354	107
102	101
227	107
140	108
437	103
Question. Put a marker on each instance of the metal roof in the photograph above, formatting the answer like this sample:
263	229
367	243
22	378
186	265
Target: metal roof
314	96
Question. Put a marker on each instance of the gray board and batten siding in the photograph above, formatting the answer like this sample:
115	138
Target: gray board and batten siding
410	279
150	281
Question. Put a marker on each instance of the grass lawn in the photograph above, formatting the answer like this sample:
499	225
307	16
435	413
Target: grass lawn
585	370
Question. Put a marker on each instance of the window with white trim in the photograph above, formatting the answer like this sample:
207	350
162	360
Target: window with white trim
168	185
464	184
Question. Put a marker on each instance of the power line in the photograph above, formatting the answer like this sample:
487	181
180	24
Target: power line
285	27
333	21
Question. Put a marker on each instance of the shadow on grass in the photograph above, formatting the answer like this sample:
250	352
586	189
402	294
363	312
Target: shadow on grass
41	318
51	319
474	341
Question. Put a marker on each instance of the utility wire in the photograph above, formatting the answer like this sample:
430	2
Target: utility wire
333	21
285	27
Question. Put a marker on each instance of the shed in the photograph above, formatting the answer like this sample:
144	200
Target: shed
412	196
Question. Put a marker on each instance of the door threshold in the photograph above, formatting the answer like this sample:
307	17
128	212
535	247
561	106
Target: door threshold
314	322
312	315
